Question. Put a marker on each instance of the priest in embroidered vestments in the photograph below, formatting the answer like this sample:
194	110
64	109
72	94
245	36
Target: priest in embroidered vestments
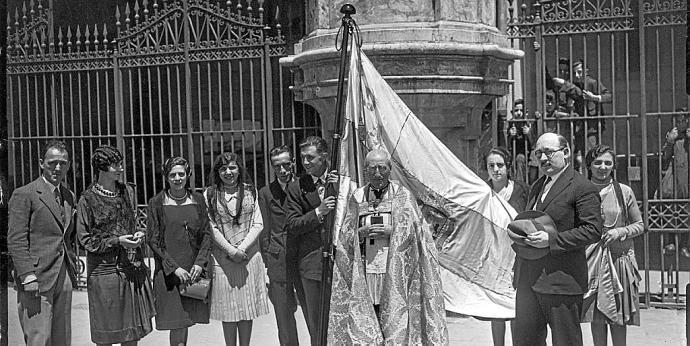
386	283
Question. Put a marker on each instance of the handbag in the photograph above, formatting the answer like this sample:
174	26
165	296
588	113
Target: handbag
197	290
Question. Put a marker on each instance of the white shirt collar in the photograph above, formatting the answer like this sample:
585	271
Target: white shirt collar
52	187
284	185
322	177
555	177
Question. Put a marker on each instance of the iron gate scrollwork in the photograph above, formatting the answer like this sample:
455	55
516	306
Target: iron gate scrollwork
631	98
180	77
191	78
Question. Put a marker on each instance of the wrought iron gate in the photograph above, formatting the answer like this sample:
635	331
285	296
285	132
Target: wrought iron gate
633	52
188	78
178	77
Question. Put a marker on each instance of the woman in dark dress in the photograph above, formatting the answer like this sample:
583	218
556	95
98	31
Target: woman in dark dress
498	163
178	233
119	287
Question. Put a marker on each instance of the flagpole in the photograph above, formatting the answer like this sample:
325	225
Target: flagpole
327	240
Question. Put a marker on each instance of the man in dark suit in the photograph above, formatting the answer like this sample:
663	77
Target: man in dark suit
307	207
41	242
278	250
550	288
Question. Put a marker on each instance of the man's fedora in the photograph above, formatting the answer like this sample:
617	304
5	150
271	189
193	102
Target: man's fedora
528	222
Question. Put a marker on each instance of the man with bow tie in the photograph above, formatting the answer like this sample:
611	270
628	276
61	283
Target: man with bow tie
549	289
307	206
41	241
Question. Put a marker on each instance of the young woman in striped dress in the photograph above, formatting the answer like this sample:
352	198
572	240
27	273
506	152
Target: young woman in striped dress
238	292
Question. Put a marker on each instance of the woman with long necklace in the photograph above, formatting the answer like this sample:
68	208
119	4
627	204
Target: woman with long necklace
614	302
119	287
239	288
179	235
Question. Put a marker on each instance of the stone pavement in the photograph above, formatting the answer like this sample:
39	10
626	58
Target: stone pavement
659	327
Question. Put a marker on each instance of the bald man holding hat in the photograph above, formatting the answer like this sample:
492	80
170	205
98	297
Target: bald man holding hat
550	240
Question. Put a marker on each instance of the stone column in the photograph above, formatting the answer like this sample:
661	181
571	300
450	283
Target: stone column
445	58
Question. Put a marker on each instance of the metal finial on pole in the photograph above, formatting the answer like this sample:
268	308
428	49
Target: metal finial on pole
348	10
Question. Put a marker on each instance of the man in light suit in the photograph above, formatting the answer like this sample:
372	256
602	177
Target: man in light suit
40	241
307	207
550	288
279	250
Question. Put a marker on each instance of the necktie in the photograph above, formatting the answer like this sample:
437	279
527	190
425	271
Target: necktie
58	199
320	187
542	193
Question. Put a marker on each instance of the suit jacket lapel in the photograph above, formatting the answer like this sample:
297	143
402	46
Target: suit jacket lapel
277	193
534	193
67	204
558	186
48	198
311	194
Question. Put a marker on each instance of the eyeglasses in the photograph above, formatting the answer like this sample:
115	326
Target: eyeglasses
286	166
548	152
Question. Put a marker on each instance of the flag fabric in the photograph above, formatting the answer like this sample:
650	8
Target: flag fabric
467	218
352	320
411	308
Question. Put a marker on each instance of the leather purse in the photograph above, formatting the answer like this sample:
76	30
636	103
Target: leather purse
197	290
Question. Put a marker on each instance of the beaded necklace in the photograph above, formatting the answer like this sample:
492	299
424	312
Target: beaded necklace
103	191
178	199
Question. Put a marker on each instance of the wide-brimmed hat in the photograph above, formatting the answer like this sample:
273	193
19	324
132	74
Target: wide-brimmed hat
528	222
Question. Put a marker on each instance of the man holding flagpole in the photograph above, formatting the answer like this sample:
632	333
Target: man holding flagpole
307	206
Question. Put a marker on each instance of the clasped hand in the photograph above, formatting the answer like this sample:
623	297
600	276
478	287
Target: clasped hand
611	235
538	239
131	241
328	203
376	231
186	277
238	256
588	95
